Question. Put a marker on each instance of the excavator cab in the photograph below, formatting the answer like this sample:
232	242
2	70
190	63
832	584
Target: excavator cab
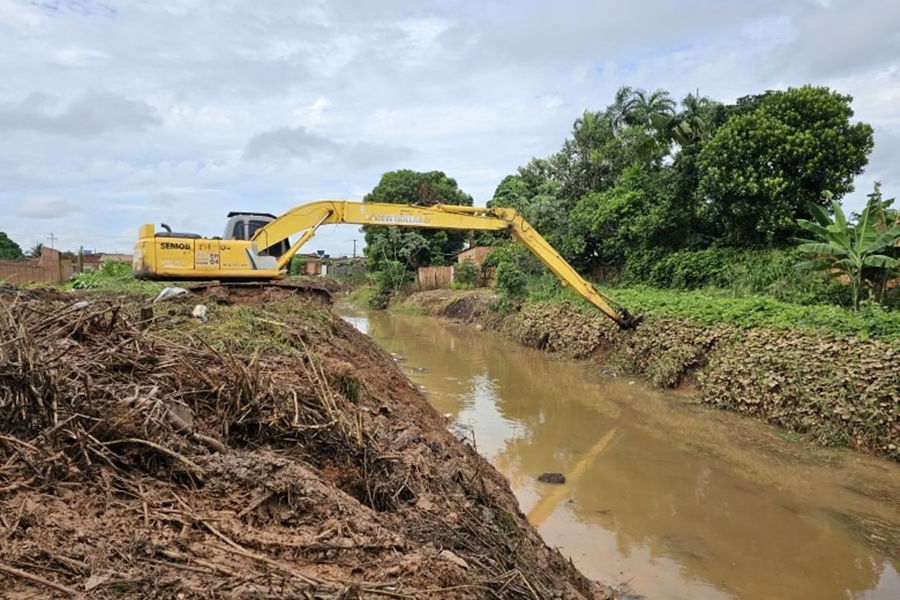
244	225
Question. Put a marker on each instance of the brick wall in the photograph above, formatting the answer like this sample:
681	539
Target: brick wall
47	268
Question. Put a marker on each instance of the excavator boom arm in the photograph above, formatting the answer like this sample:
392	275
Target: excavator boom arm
305	219
184	256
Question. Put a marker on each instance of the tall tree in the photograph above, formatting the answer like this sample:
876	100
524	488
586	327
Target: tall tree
619	113
695	121
414	248
768	164
653	110
9	250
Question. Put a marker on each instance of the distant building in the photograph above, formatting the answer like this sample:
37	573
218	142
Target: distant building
476	254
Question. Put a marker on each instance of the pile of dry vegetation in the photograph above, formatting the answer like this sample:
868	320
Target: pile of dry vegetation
267	453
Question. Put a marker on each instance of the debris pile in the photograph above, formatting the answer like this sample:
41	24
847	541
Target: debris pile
267	453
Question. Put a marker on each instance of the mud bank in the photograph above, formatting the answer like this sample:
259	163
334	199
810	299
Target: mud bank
264	453
842	392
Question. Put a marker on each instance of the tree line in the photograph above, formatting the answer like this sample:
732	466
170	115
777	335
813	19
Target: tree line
648	184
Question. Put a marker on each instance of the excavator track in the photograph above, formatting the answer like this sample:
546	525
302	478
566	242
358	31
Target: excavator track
260	292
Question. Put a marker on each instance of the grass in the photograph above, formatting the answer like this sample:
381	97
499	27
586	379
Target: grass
112	276
713	306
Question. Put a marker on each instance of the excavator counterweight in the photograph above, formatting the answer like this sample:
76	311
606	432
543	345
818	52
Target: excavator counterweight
256	246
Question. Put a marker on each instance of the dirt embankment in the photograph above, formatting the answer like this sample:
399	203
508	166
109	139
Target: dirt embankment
265	453
836	391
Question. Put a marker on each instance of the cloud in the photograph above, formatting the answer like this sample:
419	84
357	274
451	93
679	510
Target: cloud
296	141
266	105
92	114
41	207
299	142
842	37
363	156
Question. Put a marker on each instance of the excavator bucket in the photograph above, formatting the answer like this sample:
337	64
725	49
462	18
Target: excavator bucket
628	320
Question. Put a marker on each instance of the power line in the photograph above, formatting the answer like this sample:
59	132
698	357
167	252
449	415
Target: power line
52	239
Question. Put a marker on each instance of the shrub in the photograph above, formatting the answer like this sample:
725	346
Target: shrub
111	273
466	274
741	272
510	281
389	280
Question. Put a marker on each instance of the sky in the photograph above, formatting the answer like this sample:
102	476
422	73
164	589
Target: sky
122	112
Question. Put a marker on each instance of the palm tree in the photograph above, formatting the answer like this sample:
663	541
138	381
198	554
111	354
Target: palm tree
692	124
586	129
619	112
654	110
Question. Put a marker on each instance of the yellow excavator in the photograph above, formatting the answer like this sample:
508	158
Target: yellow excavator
256	246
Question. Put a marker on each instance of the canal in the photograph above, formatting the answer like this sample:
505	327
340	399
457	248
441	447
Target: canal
670	499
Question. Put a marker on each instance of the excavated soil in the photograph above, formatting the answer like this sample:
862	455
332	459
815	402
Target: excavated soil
269	452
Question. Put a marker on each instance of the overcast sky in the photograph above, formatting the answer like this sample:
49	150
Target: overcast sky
122	112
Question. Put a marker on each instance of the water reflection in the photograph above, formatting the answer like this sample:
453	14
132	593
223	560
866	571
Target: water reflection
676	501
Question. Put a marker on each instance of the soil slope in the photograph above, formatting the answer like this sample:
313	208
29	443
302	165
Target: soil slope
265	453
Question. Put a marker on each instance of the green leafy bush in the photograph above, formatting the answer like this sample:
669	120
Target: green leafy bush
740	272
111	275
517	255
389	280
711	307
467	274
510	281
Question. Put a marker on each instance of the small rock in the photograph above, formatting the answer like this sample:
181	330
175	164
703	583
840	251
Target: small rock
81	304
555	478
199	312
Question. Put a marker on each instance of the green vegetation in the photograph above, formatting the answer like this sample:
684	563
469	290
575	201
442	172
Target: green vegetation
712	306
414	248
394	254
390	278
704	200
113	276
297	265
466	274
644	177
766	167
9	250
860	251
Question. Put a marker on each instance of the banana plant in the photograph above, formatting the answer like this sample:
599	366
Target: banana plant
845	249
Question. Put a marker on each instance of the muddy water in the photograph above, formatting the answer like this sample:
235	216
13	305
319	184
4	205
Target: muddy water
671	499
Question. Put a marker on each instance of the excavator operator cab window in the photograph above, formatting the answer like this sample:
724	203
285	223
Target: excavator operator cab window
243	226
276	250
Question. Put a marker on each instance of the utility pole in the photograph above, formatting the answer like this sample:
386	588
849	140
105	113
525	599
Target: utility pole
52	239
354	248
